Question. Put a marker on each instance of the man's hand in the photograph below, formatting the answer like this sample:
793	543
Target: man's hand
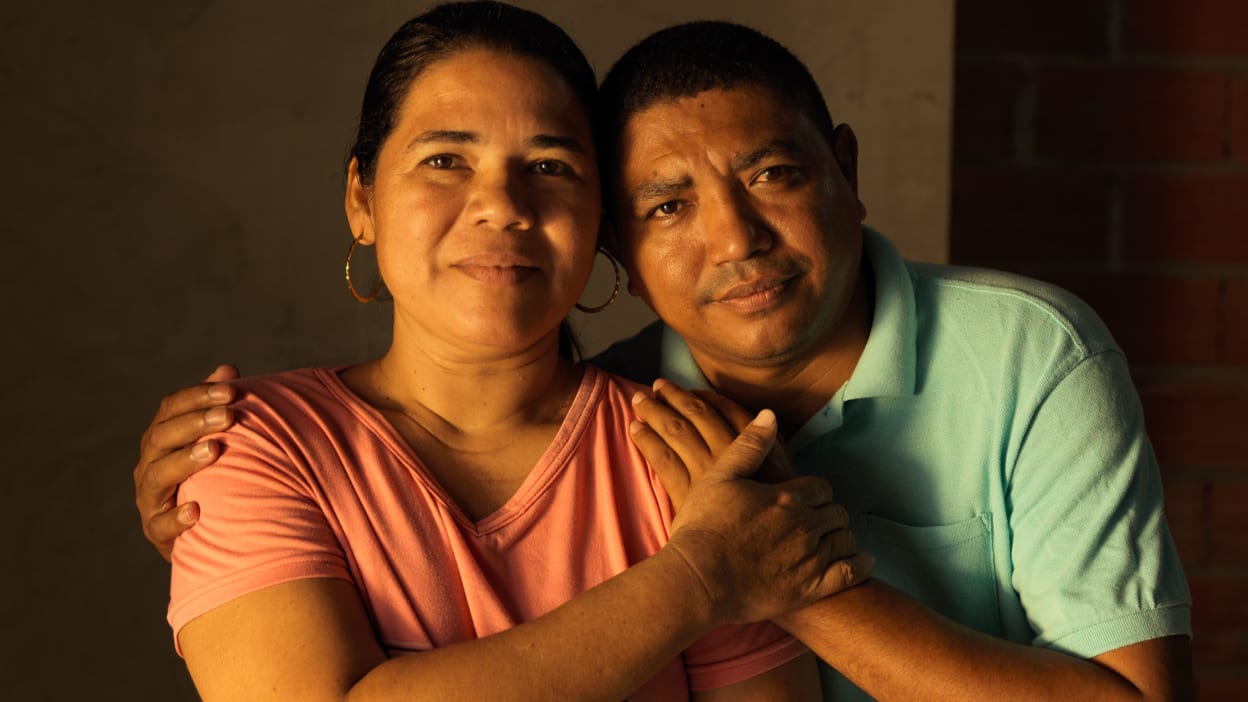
681	432
759	550
171	450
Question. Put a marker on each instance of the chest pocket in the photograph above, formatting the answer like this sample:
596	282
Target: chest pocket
949	568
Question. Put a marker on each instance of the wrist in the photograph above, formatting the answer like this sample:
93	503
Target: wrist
690	585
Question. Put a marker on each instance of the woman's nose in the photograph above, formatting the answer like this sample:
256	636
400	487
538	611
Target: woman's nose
501	200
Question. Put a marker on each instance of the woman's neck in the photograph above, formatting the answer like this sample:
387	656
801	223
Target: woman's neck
468	391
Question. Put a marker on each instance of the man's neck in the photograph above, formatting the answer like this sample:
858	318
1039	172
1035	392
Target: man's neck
798	388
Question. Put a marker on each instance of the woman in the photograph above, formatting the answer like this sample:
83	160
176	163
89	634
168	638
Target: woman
472	478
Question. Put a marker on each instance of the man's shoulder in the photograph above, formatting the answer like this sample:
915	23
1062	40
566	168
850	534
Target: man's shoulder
635	358
1003	300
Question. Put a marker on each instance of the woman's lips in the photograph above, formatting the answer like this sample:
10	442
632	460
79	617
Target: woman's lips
497	269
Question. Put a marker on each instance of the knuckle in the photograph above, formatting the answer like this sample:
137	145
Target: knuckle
676	426
840	516
696	407
844	575
668	457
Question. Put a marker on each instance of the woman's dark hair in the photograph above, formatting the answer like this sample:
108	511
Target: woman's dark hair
444	31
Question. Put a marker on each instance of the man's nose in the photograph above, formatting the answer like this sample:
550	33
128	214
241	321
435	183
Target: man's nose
738	231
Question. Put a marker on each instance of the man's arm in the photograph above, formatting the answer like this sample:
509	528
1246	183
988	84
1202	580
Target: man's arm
884	641
896	649
170	450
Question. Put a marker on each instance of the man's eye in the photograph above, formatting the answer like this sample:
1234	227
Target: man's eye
441	161
551	168
667	209
774	173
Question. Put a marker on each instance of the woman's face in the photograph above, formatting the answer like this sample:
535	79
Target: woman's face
484	205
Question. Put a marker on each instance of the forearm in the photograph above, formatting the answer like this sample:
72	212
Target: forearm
896	649
603	644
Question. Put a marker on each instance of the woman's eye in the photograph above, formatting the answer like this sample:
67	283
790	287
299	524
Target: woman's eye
441	161
551	168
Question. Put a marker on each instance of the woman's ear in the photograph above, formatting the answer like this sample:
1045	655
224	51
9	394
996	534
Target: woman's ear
358	203
609	239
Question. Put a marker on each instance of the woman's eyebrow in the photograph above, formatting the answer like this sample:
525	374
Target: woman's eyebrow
443	136
551	141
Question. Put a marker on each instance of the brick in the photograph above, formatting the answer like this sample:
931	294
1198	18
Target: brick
1234	322
1009	216
1219	602
1191	27
1221	685
1197	423
1187	218
1185	514
1071	27
1157	319
1222	648
1130	114
985	99
1238	147
1228	520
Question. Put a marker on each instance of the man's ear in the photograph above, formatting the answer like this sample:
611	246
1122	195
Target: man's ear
845	151
358	203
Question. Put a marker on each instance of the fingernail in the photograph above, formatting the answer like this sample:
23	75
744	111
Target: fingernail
658	383
201	450
766	418
215	417
219	393
188	513
638	397
634	427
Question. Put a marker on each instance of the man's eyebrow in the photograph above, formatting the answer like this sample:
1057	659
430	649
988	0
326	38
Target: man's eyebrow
442	136
659	189
782	147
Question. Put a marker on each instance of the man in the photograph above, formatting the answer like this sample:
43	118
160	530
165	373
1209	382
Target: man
980	428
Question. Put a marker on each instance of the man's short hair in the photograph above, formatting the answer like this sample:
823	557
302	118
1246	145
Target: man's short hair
687	59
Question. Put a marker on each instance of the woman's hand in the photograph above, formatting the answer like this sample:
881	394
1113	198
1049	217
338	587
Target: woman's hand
171	450
760	550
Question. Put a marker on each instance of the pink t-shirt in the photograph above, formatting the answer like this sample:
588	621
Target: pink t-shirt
313	482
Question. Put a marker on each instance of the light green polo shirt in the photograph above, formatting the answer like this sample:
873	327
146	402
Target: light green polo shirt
990	449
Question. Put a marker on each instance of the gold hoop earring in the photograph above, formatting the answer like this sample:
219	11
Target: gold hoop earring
614	293
372	294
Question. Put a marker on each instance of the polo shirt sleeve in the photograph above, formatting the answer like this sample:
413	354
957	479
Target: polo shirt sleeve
1094	563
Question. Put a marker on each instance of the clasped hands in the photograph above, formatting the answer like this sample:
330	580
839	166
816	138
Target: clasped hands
762	547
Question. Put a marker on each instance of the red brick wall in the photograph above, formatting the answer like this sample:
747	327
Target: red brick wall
1103	145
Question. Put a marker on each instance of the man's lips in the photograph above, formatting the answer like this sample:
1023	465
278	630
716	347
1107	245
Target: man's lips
755	295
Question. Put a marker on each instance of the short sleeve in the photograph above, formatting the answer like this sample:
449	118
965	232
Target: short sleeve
731	654
1094	563
261	522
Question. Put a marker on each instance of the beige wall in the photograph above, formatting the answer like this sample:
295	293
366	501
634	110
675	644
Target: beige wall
172	199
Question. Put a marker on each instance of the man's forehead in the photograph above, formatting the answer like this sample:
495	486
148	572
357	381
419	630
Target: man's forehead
732	123
743	102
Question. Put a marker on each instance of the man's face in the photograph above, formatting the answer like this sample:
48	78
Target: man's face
738	226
